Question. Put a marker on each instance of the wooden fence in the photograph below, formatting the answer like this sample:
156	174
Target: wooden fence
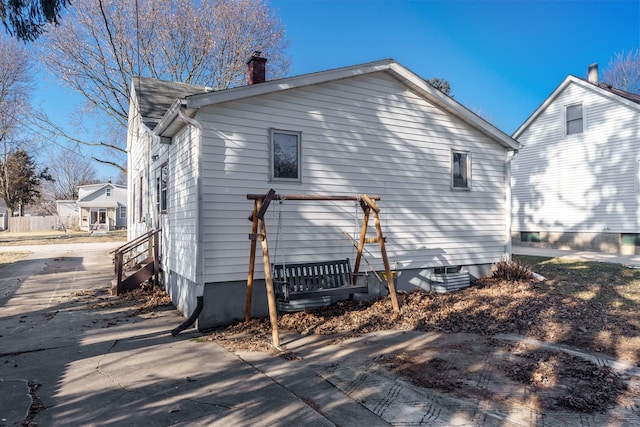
25	224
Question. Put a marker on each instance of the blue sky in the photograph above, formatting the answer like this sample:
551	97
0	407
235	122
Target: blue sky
502	58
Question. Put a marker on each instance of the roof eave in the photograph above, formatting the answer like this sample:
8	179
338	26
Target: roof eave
390	66
171	123
197	101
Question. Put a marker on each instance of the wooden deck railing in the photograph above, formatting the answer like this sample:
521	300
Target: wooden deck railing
142	249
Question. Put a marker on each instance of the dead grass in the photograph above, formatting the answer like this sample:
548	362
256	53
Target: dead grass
55	237
10	257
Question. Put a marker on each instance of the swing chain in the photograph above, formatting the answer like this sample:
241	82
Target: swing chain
278	233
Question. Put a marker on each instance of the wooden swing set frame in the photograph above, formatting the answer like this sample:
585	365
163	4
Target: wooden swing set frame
259	233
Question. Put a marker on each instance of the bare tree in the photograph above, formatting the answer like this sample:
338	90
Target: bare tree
15	90
101	45
623	71
68	170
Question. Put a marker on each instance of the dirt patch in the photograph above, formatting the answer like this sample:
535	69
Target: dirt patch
515	375
145	299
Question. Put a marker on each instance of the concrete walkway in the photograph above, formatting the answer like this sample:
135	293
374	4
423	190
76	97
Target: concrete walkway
71	355
628	260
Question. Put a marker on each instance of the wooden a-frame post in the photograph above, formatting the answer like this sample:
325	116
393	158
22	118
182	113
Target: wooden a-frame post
259	232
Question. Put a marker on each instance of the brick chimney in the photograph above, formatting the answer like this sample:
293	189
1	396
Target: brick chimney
592	75
257	69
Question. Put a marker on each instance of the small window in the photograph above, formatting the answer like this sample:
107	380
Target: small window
574	119
123	212
530	236
285	155
164	185
108	191
630	239
460	170
141	218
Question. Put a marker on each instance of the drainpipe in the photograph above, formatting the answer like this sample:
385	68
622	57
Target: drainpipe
200	228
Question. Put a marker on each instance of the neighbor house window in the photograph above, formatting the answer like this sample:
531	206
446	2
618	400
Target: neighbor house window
574	120
285	155
108	191
460	170
123	212
530	236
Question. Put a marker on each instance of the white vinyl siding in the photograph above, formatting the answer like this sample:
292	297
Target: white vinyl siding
370	135
584	183
182	204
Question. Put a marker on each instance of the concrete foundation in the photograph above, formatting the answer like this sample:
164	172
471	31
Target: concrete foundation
224	302
598	242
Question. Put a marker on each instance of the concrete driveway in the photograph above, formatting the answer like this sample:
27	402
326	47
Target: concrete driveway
71	355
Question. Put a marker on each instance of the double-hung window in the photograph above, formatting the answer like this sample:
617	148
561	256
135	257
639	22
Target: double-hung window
285	151
460	170
574	119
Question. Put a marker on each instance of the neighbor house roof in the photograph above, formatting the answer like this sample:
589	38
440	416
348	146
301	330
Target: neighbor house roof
187	102
99	204
630	99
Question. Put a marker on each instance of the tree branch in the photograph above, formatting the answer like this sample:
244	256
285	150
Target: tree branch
107	162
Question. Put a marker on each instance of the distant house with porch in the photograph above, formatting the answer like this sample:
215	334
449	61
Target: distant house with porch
102	207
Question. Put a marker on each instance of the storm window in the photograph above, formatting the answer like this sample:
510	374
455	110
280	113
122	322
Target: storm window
460	170
574	120
285	155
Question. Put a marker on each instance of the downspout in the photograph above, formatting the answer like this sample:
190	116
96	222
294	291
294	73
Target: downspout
200	229
508	245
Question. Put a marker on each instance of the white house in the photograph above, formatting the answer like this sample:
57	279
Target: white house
102	207
4	216
442	173
575	181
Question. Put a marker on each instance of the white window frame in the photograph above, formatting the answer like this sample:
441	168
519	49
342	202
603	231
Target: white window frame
108	191
582	118
454	187
123	212
272	135
163	193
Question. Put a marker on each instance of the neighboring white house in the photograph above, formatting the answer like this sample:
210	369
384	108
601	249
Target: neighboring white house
68	213
4	216
442	173
575	181
102	207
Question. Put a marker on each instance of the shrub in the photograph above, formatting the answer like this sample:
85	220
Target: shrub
512	271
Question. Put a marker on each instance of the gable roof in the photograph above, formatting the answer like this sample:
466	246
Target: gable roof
93	188
627	98
187	103
156	96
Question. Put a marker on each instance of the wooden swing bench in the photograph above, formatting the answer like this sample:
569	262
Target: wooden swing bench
315	279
